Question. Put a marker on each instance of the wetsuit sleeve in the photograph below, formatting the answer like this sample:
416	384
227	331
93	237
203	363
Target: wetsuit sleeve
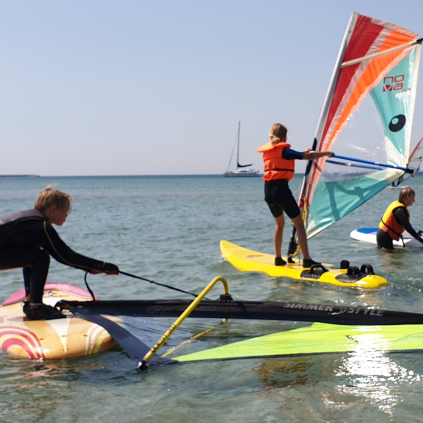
401	217
289	154
63	254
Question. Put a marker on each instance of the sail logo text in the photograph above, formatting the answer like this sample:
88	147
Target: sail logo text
334	310
393	83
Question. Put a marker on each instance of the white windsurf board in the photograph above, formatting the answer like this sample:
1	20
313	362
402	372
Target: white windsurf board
368	235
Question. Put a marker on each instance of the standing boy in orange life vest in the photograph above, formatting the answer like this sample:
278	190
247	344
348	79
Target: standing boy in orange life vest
279	168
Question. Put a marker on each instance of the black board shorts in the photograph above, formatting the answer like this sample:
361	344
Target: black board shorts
279	198
384	240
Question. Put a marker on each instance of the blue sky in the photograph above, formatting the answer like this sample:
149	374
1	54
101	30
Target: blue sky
158	87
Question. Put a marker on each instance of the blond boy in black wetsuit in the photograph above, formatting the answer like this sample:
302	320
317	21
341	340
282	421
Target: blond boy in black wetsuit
27	239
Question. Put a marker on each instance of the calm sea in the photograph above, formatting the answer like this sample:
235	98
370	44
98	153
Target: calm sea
168	229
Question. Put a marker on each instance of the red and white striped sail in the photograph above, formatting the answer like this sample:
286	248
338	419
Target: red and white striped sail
371	49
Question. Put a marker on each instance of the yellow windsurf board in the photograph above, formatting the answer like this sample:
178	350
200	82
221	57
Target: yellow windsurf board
253	261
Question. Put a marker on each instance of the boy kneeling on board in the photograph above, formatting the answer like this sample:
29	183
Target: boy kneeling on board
27	239
396	220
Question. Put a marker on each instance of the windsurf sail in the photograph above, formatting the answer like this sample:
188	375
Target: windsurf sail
377	60
414	163
142	347
416	157
257	310
319	338
336	328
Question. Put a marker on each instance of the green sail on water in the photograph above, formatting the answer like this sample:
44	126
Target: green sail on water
319	338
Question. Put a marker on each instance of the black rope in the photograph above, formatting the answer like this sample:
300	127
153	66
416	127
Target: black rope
88	287
160	284
143	279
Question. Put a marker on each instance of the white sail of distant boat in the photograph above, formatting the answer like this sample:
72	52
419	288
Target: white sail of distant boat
380	59
241	170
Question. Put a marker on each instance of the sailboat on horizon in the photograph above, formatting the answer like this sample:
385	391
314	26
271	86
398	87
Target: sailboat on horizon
241	170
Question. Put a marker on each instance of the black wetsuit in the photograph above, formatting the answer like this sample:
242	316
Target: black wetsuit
27	240
277	193
384	240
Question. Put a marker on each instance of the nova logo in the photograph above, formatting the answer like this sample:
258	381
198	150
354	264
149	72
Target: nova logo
393	83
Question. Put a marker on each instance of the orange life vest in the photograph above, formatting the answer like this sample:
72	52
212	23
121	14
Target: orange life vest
275	166
389	224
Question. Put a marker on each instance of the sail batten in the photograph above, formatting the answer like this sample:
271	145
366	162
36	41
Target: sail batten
372	56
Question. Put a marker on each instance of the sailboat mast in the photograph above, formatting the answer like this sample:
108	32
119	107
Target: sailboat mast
292	249
237	152
325	110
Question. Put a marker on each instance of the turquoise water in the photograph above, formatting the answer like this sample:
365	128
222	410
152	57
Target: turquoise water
168	229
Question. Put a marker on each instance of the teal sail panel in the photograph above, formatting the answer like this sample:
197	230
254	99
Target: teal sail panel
335	199
394	97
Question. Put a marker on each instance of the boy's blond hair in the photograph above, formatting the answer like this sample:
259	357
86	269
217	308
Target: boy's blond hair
278	133
53	197
405	194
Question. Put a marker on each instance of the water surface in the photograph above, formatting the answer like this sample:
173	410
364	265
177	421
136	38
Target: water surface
168	229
